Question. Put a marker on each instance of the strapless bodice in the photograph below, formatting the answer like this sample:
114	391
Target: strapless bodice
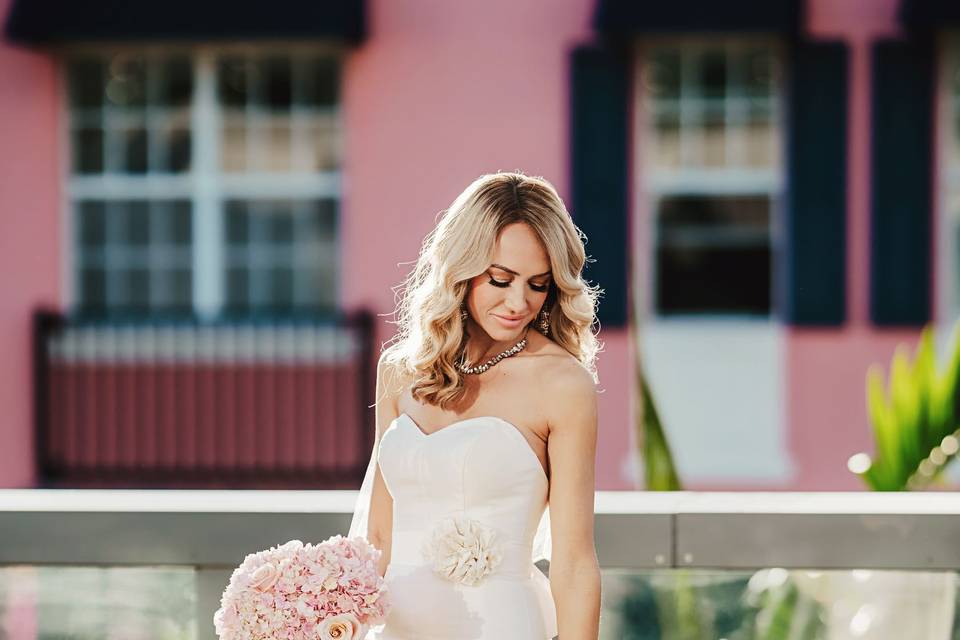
481	469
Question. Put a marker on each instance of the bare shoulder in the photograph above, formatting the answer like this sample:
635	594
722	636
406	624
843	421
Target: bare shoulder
570	388
568	392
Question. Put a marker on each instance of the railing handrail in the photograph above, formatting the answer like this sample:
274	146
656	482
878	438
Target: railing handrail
606	502
634	530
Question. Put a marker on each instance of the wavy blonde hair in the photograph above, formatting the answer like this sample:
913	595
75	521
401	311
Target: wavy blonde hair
431	336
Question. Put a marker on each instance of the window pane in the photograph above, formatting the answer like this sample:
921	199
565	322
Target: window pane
321	221
237	223
182	289
663	75
174	149
713	255
279	229
181	224
713	74
138	289
85	83
233	82
92	225
238	289
135	228
759	73
233	148
175	82
320	82
126	81
93	289
710	280
715	144
323	144
276	155
88	151
174	289
135	150
280	294
760	144
715	212
277	90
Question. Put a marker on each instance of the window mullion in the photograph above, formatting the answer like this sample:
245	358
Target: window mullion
207	228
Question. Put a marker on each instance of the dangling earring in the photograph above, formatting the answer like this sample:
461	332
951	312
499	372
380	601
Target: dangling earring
543	323
463	312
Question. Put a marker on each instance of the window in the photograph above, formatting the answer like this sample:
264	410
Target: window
204	180
711	119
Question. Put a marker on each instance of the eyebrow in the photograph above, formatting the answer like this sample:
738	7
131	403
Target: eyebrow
503	268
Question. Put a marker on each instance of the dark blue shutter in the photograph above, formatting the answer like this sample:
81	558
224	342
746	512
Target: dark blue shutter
599	139
900	246
816	212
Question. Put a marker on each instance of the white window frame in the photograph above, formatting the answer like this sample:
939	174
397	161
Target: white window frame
652	185
205	185
736	362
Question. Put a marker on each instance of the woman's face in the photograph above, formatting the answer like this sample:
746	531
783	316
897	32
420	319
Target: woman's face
509	294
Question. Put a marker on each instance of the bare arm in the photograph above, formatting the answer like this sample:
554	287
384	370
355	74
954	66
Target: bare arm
380	521
572	446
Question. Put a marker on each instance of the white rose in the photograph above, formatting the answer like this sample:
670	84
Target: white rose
462	550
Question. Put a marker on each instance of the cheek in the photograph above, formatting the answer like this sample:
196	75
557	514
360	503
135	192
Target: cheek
481	293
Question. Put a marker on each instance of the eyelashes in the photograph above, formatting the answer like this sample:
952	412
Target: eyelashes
539	288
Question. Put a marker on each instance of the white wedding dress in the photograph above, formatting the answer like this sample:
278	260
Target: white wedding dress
479	468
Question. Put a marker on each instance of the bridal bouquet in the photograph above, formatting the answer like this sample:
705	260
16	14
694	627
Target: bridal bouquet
328	591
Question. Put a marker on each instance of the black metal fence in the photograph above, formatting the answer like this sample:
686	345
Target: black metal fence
199	405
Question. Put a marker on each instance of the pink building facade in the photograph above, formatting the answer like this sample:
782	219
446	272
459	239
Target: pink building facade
754	253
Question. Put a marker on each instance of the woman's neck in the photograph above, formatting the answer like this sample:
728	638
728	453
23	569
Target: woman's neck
481	347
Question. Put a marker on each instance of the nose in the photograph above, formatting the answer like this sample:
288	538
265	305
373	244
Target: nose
515	302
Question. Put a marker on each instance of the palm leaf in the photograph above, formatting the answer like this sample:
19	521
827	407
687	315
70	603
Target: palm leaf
911	417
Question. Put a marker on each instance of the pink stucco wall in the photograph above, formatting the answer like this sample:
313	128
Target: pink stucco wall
439	94
826	369
29	240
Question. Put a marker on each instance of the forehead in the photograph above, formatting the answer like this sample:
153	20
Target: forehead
519	248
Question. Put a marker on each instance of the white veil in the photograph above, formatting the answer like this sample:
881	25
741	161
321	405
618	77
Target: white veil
542	545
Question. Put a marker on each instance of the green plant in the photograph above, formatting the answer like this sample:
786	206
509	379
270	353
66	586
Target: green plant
914	418
660	472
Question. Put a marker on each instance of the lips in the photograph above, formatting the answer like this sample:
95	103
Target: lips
509	323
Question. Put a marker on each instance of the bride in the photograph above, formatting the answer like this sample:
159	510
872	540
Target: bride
486	428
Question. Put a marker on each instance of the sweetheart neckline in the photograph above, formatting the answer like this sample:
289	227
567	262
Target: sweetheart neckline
507	423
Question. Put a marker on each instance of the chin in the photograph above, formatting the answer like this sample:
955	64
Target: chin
503	334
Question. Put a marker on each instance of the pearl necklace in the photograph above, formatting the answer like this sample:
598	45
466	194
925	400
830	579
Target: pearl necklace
480	368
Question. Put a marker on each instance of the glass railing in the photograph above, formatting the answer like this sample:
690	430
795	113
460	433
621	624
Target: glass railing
687	566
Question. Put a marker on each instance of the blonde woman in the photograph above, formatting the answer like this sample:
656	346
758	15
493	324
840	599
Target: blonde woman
486	432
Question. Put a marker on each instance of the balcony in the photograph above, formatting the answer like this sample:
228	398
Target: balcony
185	404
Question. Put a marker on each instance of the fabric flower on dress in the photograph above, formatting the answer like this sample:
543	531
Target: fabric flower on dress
463	550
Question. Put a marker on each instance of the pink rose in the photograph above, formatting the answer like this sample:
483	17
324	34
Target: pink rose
342	627
265	577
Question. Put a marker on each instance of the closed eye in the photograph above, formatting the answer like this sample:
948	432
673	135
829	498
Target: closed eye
540	288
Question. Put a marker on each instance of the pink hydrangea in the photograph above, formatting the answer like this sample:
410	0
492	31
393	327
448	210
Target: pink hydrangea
331	590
